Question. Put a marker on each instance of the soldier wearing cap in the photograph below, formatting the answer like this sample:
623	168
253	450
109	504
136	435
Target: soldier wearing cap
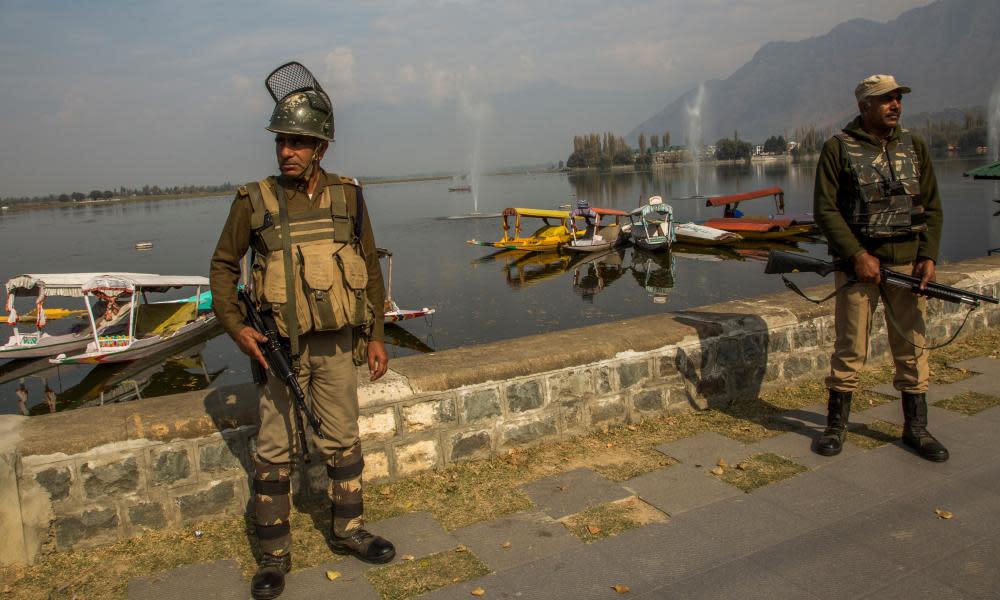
876	200
314	266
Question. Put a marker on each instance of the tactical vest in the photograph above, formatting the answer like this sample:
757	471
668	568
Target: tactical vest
888	201
329	274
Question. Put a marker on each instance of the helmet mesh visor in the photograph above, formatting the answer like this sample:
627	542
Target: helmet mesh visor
292	78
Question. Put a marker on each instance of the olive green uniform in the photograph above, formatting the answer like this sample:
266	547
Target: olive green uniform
326	366
837	189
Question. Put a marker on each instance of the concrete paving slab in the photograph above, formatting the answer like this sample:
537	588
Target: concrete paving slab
986	476
665	553
738	580
805	561
974	431
705	449
679	488
885	389
936	393
571	492
973	570
531	536
916	586
990	414
813	415
819	498
908	530
219	580
797	446
886	471
312	583
982	384
747	523
961	456
415	533
974	506
893	413
492	584
980	364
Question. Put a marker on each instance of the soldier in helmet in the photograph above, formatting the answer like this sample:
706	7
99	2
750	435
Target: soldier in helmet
876	200
314	267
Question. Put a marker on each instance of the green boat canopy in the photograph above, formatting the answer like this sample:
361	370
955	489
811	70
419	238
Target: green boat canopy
991	171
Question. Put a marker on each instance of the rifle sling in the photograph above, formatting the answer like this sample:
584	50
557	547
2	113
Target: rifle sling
791	285
290	308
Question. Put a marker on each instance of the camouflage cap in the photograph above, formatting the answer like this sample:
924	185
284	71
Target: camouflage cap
878	85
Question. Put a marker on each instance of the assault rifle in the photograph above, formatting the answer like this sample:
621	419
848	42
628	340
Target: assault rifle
280	362
780	262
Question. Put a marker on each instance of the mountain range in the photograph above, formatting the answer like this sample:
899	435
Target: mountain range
947	51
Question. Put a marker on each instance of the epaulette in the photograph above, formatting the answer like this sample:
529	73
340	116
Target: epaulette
349	180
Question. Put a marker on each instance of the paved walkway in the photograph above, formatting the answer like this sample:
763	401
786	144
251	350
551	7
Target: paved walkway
859	525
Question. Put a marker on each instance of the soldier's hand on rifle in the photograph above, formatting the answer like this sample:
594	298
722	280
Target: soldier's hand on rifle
247	339
866	268
925	269
378	359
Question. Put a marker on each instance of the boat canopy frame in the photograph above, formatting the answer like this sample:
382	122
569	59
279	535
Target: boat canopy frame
732	201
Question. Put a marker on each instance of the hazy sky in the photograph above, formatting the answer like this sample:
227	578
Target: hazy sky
99	94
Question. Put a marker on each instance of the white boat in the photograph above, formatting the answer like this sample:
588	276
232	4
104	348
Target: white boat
150	327
603	237
393	313
701	235
38	343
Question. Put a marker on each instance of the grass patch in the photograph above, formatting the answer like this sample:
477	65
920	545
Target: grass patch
864	399
874	434
968	403
760	470
611	518
410	578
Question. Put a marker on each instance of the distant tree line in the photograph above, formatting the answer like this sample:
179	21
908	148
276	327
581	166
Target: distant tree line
122	192
964	135
810	140
606	150
776	145
733	149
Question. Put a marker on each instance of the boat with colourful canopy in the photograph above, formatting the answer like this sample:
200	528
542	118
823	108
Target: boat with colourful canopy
150	327
759	227
598	237
554	233
39	343
651	226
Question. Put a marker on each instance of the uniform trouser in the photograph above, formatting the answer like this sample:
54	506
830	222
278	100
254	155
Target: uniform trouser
328	377
906	325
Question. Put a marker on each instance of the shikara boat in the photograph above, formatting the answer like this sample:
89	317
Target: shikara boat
150	328
754	227
603	237
39	343
700	235
652	225
554	233
393	313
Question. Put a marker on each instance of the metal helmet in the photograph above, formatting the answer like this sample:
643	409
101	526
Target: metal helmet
582	203
302	107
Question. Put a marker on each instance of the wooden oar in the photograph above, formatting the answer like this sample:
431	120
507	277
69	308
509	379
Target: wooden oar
50	313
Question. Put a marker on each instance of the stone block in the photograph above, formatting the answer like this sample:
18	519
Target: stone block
169	464
649	400
56	481
728	354
216	500
573	418
481	404
608	410
573	491
220	456
571	386
470	444
633	373
429	414
805	335
797	366
148	515
666	363
377	426
92	527
376	466
822	362
416	456
525	431
525	395
711	392
102	479
773	371
777	340
219	580
879	345
753	347
603	382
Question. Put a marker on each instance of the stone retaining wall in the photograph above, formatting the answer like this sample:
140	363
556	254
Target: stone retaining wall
95	475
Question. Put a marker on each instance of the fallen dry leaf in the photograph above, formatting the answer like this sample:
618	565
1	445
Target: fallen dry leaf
743	466
722	463
944	514
461	548
594	530
717	471
331	575
478	592
621	589
561	488
407	557
505	545
610	445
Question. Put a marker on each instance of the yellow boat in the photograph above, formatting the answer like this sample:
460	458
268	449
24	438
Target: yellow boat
554	233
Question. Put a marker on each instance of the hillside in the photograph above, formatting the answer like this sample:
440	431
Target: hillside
947	51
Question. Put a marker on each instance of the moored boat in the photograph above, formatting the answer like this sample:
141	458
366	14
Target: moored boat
393	313
652	225
601	238
554	233
769	227
701	235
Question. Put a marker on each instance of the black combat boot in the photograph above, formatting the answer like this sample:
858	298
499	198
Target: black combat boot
915	434
838	411
269	580
365	546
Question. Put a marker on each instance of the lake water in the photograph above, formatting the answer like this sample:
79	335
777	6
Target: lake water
478	298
